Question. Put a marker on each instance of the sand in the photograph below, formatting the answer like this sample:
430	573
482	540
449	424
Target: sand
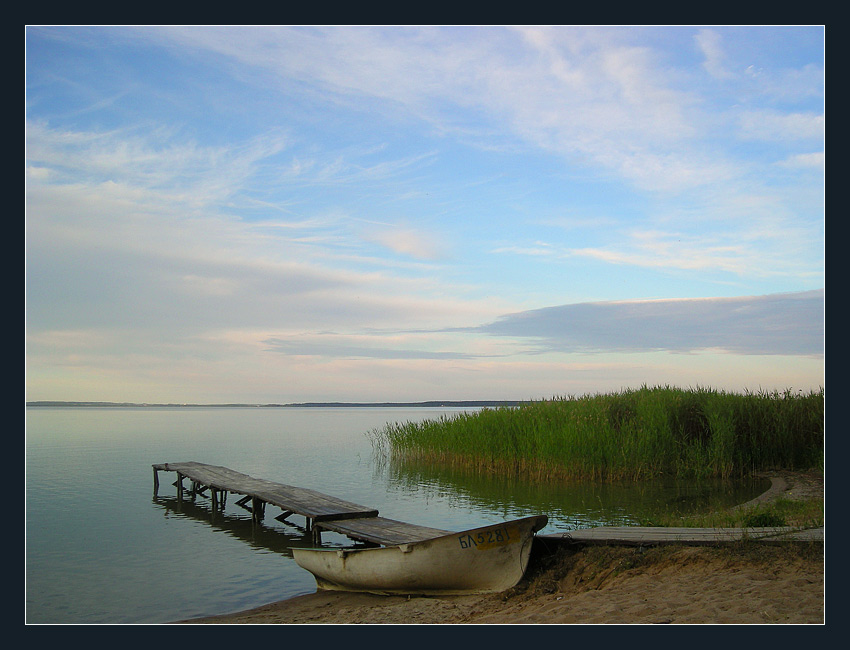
733	584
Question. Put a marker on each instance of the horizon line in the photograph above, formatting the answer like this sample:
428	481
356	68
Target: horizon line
436	403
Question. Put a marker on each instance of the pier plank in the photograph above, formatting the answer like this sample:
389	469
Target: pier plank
383	531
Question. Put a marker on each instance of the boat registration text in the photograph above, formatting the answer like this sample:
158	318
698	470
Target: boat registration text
487	538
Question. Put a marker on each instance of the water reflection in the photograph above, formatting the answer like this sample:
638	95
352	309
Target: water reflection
259	535
572	505
270	535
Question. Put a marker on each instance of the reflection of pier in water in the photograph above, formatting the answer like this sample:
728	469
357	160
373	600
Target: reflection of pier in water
239	526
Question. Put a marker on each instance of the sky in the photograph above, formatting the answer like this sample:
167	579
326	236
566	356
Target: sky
400	213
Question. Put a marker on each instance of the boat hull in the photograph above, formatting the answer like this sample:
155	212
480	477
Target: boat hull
482	560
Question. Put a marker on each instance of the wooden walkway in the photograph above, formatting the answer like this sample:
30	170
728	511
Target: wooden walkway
651	536
322	512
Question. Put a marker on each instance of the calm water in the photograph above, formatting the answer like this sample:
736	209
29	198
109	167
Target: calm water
102	548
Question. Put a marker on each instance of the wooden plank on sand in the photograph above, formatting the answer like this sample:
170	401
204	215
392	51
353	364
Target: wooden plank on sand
648	536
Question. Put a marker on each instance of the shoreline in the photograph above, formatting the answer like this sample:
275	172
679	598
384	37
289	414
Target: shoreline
733	584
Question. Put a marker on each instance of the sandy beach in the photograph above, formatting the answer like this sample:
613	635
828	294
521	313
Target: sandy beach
732	584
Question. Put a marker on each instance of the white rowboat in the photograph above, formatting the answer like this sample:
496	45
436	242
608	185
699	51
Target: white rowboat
483	560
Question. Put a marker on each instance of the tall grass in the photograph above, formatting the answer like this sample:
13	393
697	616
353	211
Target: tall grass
634	434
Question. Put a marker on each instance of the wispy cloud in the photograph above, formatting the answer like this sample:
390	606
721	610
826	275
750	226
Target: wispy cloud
715	61
815	161
774	126
159	241
412	242
154	160
611	104
339	348
750	249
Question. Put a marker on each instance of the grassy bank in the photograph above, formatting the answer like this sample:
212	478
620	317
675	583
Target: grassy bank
804	513
634	434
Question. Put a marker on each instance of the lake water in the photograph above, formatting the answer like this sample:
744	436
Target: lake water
102	548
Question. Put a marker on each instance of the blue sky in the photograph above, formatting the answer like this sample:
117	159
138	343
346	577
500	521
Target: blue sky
287	214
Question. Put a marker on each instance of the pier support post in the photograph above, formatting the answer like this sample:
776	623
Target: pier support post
257	508
155	481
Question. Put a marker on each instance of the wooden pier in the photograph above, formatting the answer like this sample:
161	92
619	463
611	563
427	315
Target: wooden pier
323	512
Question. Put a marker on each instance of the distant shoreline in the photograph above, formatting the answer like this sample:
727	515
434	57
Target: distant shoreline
427	404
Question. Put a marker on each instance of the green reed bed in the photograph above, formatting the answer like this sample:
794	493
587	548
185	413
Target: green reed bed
633	434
